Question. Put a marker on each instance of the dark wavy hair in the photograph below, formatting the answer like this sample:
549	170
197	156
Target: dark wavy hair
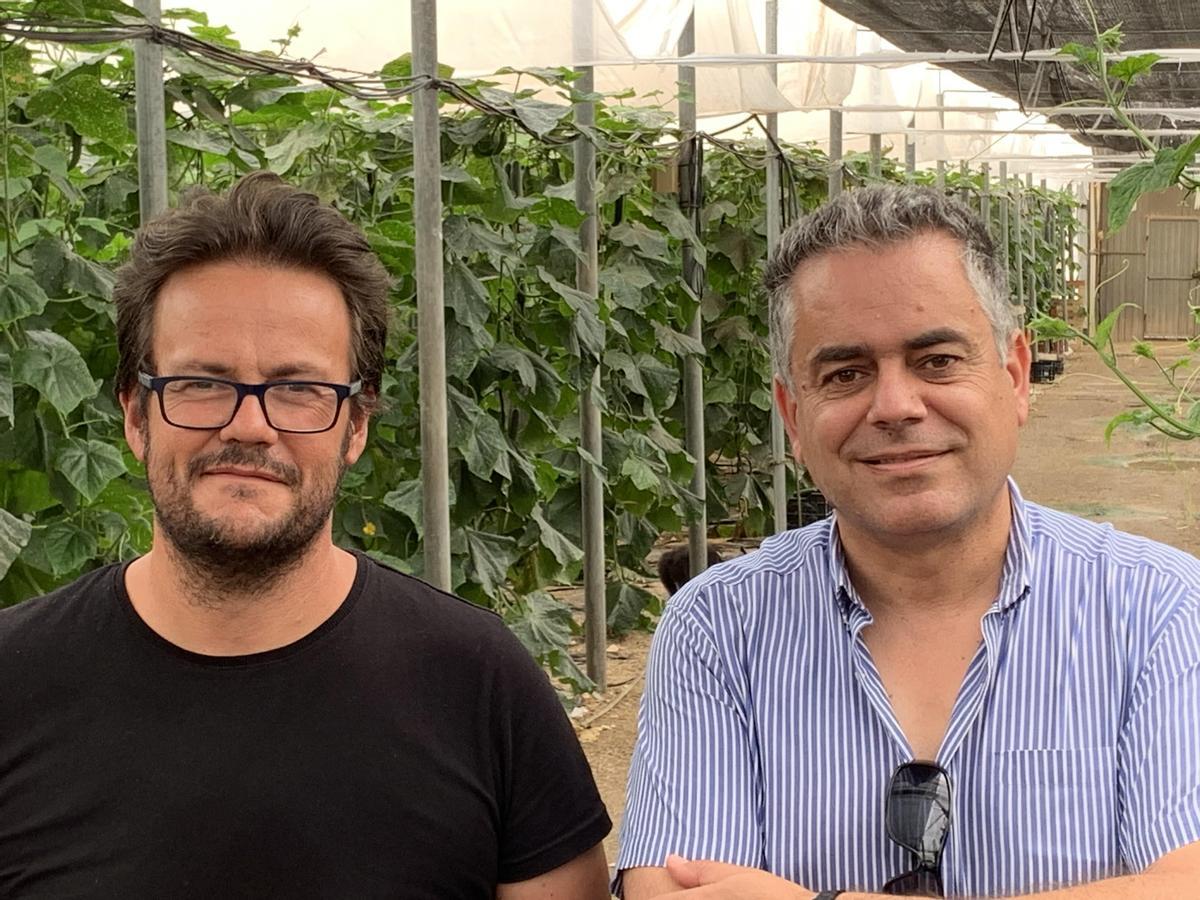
261	219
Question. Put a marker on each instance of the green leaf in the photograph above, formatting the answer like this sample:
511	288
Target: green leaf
466	295
491	555
61	549
90	107
1131	67
398	71
1082	53
309	136
20	296
542	623
484	448
1104	329
1048	328
1140	178
197	139
626	605
1144	350
636	235
639	472
52	365
588	327
565	552
407	500
89	465
676	341
539	116
14	535
513	359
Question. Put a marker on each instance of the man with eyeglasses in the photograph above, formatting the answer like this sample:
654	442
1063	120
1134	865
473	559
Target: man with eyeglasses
943	690
248	710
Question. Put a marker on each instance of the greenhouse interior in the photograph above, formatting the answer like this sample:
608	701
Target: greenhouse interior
575	203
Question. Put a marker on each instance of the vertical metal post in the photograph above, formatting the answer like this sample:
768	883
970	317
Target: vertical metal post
1031	298
774	227
1004	207
151	118
964	189
939	177
1019	241
985	196
876	155
1093	274
693	372
431	323
595	611
835	152
910	157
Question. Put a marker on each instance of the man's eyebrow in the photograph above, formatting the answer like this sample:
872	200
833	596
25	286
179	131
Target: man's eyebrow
838	353
221	370
937	336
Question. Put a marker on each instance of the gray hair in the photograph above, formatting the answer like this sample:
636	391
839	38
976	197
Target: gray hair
875	216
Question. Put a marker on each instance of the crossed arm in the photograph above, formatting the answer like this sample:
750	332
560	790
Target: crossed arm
1175	875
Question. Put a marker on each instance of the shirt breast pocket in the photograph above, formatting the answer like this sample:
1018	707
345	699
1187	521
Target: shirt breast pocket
1056	815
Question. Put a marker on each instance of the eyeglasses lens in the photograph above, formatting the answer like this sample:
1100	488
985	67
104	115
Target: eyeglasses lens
198	403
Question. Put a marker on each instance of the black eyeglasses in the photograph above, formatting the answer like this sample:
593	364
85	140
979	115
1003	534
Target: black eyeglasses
918	819
297	407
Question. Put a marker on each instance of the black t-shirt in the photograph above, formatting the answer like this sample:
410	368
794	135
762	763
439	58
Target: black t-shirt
408	747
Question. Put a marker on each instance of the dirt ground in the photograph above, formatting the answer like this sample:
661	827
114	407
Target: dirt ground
1142	482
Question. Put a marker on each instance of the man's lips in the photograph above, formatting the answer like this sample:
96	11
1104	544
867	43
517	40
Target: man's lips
902	459
260	474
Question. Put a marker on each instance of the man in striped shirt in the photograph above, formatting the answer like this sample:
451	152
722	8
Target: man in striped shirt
944	690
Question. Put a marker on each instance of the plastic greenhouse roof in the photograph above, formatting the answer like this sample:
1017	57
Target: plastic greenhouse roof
971	25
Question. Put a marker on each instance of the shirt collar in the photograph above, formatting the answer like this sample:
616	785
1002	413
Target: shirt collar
1015	579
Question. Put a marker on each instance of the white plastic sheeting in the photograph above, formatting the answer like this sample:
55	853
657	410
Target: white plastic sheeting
478	37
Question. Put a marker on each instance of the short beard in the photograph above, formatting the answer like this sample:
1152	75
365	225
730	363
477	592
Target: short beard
218	565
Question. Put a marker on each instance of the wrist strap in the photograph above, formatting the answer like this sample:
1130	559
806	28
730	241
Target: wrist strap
827	895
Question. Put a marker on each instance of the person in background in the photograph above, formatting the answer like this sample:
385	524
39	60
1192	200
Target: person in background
944	689
248	710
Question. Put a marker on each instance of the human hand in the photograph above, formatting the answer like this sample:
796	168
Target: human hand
711	880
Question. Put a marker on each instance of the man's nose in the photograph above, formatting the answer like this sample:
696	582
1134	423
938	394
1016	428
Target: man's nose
897	397
249	424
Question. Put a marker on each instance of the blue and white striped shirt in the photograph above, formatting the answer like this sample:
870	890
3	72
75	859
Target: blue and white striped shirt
766	737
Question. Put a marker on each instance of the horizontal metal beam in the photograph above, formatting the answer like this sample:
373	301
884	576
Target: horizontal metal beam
889	58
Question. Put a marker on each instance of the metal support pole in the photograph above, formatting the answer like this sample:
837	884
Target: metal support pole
910	157
985	196
693	275
1019	242
151	118
1004	207
876	155
431	323
835	152
964	191
1031	297
595	612
939	178
774	227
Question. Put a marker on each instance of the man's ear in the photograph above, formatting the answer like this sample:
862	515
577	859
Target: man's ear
1017	365
134	408
788	408
356	440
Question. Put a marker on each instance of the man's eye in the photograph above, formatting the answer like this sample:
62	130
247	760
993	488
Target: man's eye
842	377
941	361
